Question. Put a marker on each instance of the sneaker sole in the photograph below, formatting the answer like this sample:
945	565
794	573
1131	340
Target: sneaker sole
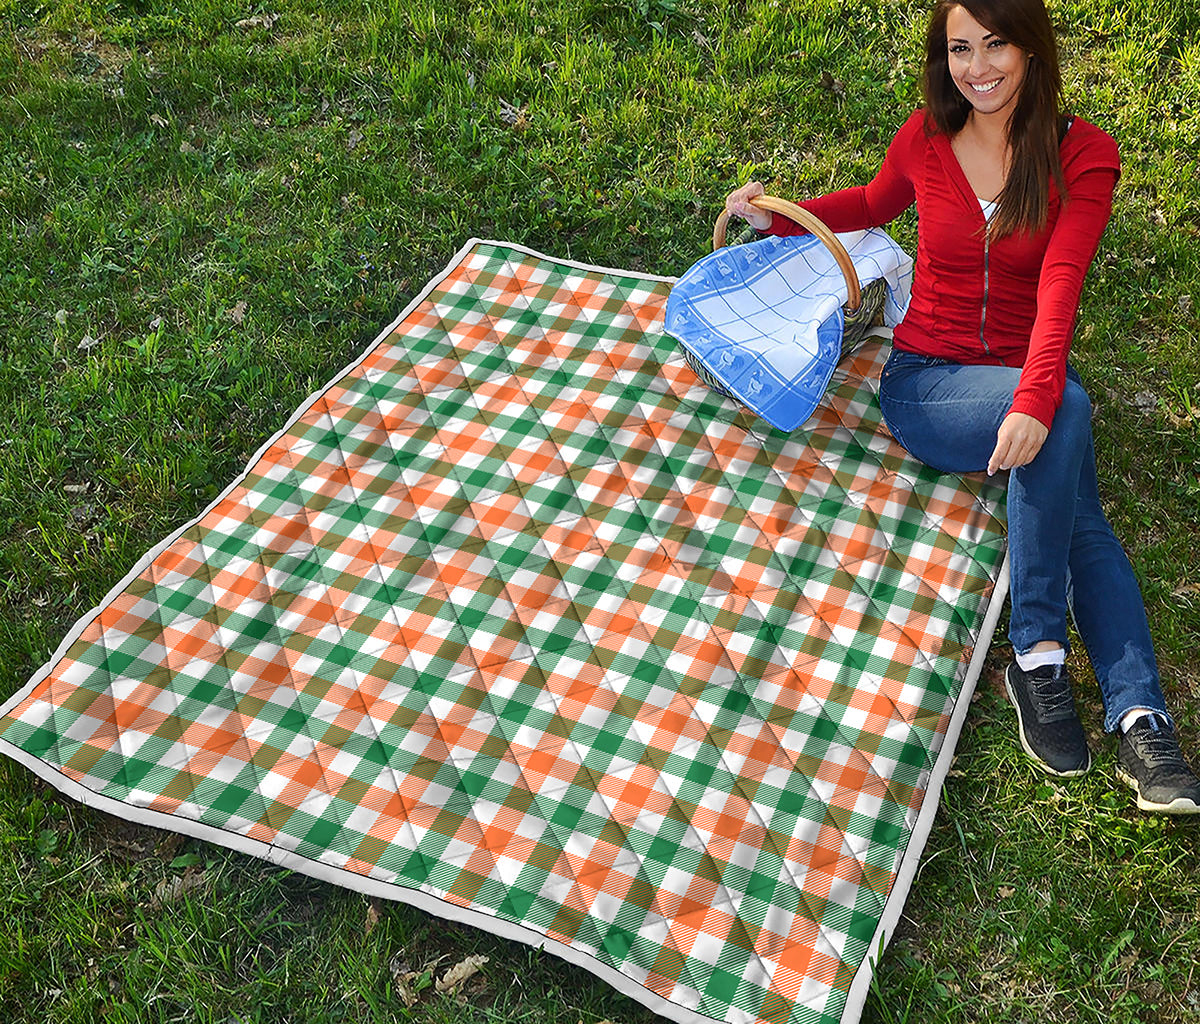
1074	773
1180	805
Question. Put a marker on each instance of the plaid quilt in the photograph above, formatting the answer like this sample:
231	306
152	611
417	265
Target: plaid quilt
518	622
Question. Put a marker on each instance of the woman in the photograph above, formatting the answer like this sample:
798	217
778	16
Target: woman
1012	198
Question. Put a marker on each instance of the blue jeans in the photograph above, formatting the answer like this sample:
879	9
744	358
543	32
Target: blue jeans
1062	550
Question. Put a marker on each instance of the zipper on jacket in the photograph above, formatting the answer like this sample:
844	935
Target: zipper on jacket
983	308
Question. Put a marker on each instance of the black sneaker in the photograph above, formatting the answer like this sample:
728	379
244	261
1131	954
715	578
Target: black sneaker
1149	760
1051	732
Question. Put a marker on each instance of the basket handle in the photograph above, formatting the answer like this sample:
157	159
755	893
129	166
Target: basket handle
806	220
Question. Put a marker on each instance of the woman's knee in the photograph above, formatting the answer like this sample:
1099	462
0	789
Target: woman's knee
1073	420
1070	437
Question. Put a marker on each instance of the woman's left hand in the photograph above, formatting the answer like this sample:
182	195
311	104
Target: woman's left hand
1018	441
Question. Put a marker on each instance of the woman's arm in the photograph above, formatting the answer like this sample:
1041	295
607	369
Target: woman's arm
1072	247
887	195
879	202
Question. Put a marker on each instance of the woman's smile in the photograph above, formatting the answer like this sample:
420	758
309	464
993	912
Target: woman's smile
986	69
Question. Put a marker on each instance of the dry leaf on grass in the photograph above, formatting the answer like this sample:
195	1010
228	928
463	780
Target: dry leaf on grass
171	889
127	850
460	972
831	84
405	979
411	983
1146	401
257	21
374	913
512	115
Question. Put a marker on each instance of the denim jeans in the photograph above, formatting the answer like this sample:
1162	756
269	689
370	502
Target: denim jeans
1062	550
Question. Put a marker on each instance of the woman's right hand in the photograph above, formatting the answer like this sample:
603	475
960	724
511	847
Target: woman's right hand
737	204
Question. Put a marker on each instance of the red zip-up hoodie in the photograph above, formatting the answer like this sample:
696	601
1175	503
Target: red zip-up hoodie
1010	301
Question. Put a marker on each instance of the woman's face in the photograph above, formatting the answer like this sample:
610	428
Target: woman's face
988	70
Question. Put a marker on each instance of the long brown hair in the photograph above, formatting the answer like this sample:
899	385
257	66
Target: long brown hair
1036	124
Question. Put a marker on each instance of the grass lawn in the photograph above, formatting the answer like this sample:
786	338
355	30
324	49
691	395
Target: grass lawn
201	221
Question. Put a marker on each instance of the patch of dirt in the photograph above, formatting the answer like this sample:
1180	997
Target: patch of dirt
85	55
131	842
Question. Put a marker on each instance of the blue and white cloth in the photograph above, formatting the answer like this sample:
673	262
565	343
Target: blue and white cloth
765	319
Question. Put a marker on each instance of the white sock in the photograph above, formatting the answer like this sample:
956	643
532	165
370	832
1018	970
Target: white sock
1128	719
1036	659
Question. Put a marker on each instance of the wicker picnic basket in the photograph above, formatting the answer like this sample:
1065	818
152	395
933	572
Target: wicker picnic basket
860	311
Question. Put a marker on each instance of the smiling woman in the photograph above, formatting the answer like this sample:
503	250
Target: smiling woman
997	91
1012	198
988	70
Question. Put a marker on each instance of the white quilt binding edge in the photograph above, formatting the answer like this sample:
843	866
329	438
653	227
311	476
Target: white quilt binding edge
856	995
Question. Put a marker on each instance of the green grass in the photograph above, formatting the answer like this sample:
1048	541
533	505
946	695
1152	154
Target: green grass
229	215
